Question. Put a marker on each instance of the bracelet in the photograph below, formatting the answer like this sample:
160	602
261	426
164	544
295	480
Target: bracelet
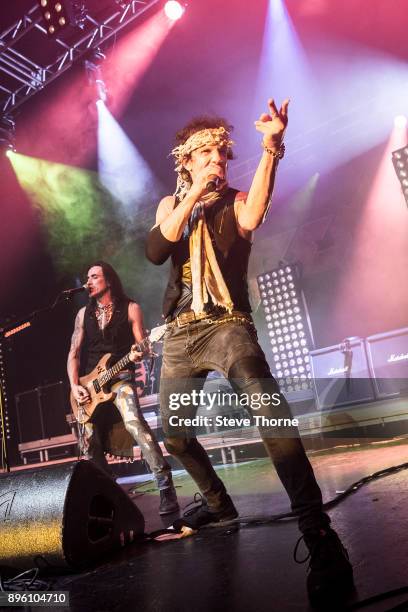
275	154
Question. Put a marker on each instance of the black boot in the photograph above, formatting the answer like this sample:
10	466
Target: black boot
168	500
330	577
200	514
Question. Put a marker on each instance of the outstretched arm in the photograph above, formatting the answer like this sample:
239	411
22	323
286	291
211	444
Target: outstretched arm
250	212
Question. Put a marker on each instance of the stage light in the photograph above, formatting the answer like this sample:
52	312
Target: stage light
51	15
61	15
93	67
400	162
400	121
7	131
285	340
173	9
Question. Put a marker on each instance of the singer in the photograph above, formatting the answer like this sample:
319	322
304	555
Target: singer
206	229
111	323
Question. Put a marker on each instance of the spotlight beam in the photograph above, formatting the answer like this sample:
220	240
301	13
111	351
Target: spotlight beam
119	159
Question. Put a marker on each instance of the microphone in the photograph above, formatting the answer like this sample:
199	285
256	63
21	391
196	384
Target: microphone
214	182
74	290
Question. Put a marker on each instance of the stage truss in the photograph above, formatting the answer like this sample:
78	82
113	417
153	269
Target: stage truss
22	75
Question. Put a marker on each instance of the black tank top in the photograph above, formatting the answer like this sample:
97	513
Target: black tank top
232	253
116	338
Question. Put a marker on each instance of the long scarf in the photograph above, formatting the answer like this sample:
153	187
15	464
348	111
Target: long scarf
206	276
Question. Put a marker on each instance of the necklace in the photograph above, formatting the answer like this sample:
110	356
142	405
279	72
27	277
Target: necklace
103	314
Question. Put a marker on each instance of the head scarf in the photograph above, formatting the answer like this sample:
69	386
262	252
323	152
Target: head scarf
209	136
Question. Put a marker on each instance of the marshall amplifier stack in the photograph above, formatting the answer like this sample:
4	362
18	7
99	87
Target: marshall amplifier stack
388	360
341	375
361	370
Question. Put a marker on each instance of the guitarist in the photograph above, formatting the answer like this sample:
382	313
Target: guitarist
111	323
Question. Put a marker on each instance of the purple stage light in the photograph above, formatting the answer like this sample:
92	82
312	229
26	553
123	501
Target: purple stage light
400	121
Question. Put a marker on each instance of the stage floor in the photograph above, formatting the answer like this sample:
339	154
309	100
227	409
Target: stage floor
250	568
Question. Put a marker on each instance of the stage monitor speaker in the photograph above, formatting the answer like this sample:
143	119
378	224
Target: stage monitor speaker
388	361
63	516
341	375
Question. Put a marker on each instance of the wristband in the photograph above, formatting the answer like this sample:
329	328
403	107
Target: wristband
275	154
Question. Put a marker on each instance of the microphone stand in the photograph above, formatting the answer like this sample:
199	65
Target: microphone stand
348	362
6	332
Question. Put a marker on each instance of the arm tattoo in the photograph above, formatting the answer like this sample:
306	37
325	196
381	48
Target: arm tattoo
75	340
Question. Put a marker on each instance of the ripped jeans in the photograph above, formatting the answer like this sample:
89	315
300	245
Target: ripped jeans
232	348
127	403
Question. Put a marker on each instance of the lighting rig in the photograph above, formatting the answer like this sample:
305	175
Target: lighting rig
400	162
7	134
57	16
93	68
5	434
288	324
23	74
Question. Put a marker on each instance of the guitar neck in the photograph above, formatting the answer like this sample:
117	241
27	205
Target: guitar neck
122	363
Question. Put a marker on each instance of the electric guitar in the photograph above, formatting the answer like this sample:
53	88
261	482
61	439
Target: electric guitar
96	382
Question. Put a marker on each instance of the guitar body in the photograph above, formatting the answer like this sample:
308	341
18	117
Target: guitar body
99	392
98	395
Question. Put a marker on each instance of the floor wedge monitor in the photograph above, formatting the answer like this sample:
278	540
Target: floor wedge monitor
66	515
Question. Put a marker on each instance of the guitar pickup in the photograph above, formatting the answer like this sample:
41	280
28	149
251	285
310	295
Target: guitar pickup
96	385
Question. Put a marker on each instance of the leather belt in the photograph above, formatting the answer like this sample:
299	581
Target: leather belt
189	317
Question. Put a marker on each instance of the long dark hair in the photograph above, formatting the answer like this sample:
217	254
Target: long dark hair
112	279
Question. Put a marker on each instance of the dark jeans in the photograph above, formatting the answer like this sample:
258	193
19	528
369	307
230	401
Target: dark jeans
232	348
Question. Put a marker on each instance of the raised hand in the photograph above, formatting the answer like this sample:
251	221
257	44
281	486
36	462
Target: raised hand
273	125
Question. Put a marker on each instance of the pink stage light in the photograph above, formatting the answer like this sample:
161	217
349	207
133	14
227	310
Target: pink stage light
400	121
131	58
72	140
174	10
373	288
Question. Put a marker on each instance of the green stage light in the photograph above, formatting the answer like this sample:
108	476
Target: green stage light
81	220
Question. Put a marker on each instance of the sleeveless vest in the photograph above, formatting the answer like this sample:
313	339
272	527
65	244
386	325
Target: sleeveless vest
231	250
116	338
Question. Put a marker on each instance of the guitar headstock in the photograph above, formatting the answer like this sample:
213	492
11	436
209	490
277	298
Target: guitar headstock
157	333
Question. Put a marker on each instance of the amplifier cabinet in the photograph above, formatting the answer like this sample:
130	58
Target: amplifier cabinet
388	362
341	375
41	412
